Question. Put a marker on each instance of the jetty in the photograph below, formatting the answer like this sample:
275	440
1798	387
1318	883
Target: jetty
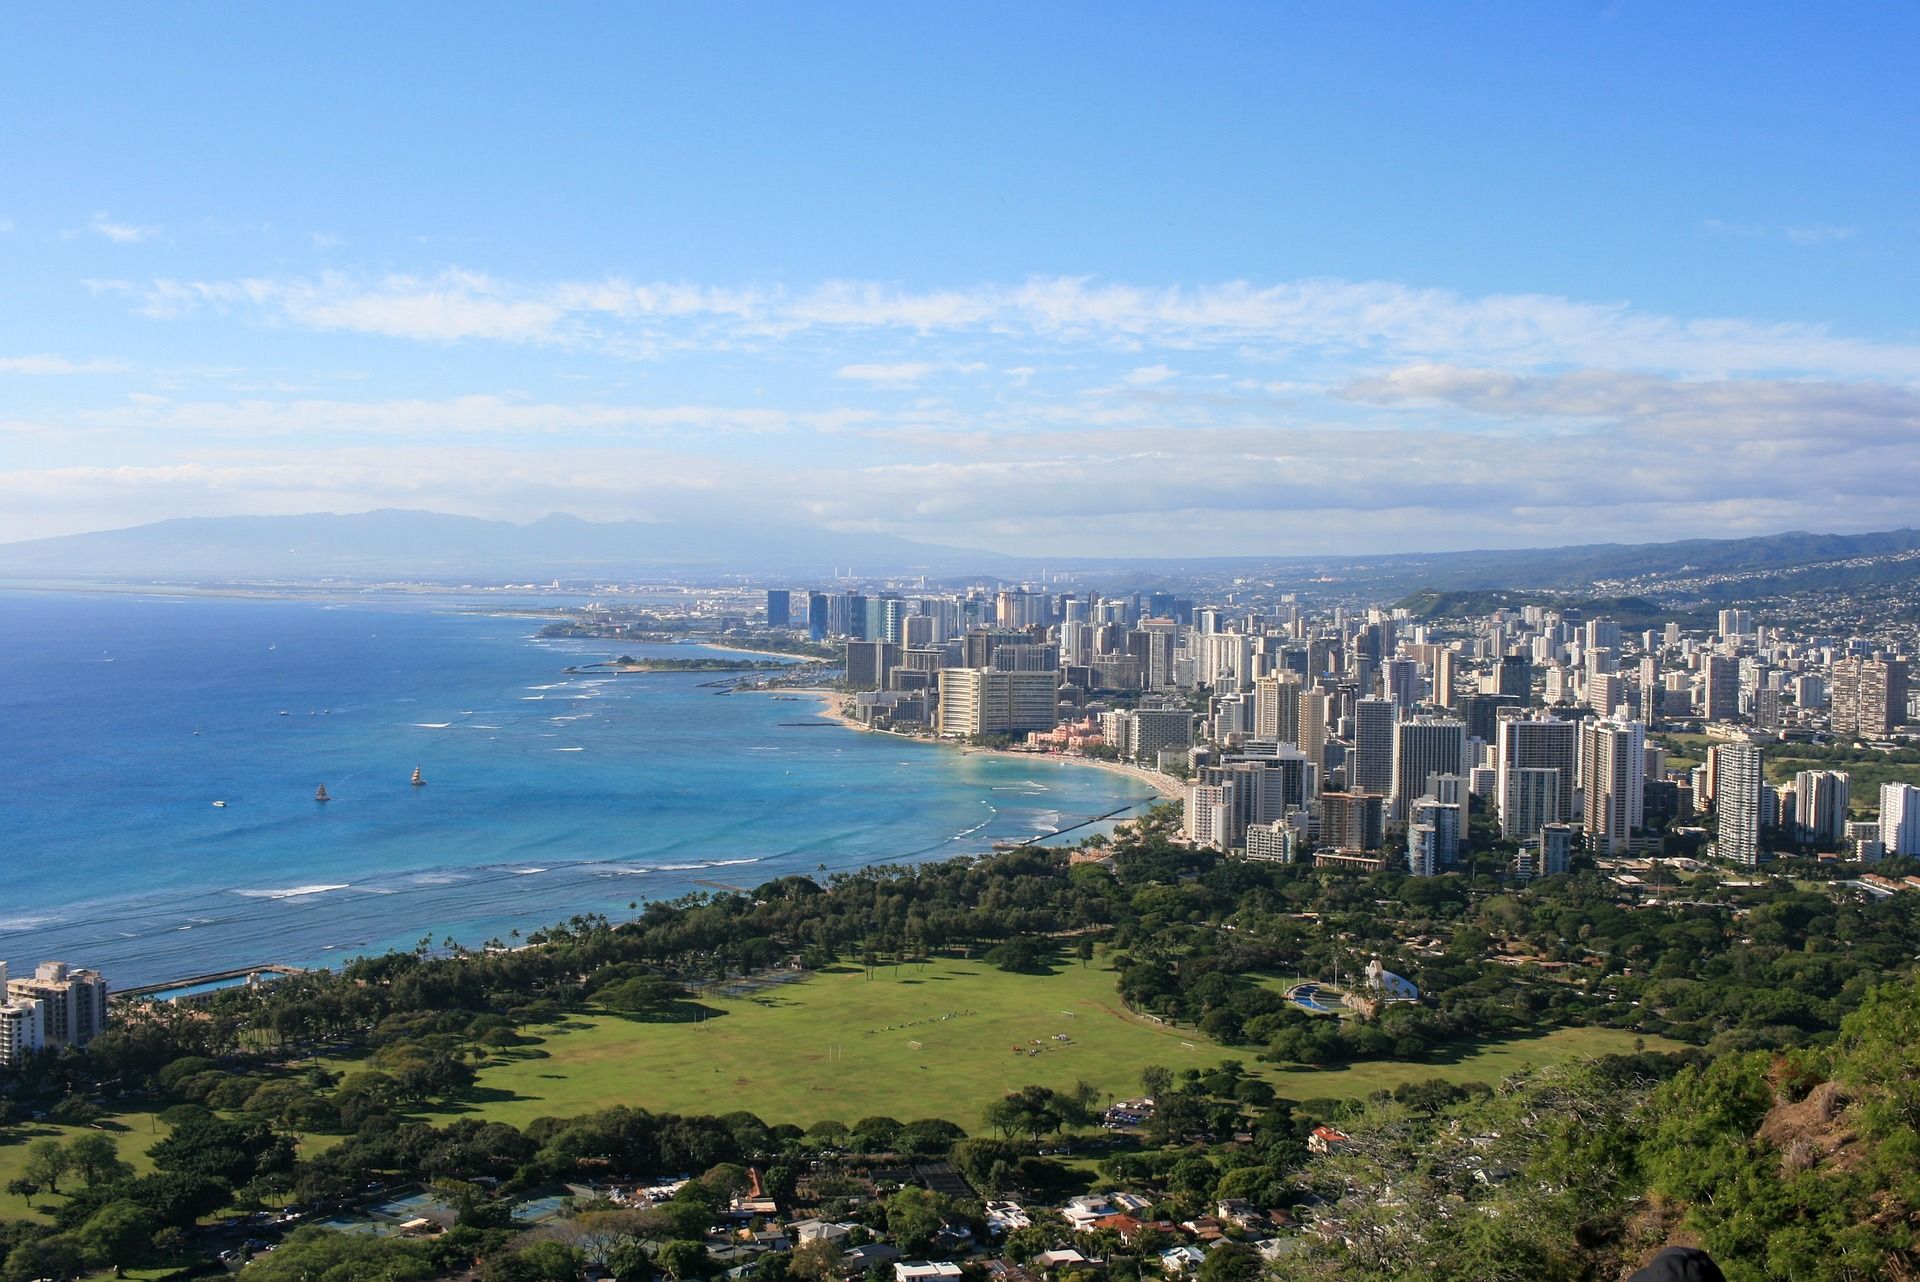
198	988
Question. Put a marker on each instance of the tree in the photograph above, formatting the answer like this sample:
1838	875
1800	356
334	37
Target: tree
46	1162
23	1188
118	1234
1156	1080
1230	1262
815	1261
913	1218
684	1259
97	1159
315	1253
55	1256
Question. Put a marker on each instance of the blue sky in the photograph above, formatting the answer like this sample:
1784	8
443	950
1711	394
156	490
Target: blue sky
1123	279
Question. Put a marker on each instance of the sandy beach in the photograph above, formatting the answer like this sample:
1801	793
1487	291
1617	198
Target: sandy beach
830	701
799	660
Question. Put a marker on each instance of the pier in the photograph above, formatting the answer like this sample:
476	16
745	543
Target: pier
195	987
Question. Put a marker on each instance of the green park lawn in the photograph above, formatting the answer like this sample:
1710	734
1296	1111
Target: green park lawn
1782	764
844	1046
134	1132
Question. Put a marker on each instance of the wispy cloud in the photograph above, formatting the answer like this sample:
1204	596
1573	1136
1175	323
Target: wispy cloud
898	374
120	233
46	363
1821	234
1381	320
1811	234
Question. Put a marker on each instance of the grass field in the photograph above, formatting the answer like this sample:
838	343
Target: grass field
840	1045
134	1132
843	1046
1865	777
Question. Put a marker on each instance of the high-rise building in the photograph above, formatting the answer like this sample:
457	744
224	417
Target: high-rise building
1423	850
1446	819
779	607
1613	765
1606	691
1208	820
1314	715
979	701
1276	708
1025	656
1255	790
1422	748
1555	849
1739	788
1820	799
1536	744
73	1003
1154	730
1279	842
868	662
1603	634
1514	677
1531	800
1352	821
1899	819
22	1027
1720	688
1400	682
1370	766
1649	681
1868	697
817	616
1444	663
1482	713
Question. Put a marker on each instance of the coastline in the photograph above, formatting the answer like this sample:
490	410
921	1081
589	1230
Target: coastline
1168	788
798	660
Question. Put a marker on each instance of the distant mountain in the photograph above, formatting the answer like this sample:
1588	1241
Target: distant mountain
395	544
1628	611
1577	567
431	546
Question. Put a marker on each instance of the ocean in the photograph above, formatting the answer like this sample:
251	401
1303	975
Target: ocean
125	716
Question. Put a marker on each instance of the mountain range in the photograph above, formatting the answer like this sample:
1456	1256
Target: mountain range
394	544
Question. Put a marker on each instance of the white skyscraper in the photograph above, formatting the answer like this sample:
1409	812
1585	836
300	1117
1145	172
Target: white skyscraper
1545	743
1370	765
1738	795
1422	748
22	1024
1821	798
1613	762
1899	819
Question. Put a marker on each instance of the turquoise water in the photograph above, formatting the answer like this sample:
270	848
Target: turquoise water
124	717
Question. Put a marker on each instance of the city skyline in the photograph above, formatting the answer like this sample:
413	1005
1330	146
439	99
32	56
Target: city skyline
1111	283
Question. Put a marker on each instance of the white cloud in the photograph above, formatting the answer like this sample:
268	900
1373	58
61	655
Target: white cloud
120	233
1811	234
899	374
1148	375
46	363
1820	234
1333	318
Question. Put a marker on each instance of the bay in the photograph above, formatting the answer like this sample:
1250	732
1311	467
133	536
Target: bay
125	716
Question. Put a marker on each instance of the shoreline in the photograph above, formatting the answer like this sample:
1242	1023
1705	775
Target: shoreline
797	660
1167	787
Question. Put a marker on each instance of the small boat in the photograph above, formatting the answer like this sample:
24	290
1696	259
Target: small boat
320	793
418	781
285	713
219	805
